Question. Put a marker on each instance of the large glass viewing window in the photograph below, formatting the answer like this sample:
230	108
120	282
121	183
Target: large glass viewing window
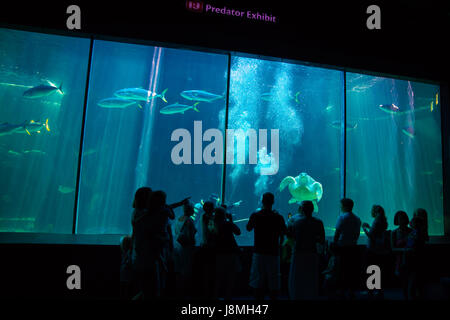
304	105
394	155
155	117
138	97
42	85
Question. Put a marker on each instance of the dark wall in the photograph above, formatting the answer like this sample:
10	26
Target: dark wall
411	41
39	271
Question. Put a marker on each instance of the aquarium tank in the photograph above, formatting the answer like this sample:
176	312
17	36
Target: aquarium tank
42	85
209	126
394	154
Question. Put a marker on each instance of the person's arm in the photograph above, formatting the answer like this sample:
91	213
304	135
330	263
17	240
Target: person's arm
368	230
178	204
321	236
170	213
338	231
251	223
235	229
283	229
193	229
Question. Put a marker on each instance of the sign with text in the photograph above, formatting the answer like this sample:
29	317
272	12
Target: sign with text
200	7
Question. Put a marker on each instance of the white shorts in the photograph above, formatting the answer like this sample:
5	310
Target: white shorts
265	271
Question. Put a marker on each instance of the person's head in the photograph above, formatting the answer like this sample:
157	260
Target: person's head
142	198
306	208
158	199
208	207
421	213
188	209
401	219
346	205
377	211
268	200
125	243
420	218
219	214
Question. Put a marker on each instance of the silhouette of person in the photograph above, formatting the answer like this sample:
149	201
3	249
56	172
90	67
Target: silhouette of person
227	253
345	251
207	253
269	229
399	239
399	236
307	232
150	238
184	248
126	272
207	224
141	206
415	254
379	244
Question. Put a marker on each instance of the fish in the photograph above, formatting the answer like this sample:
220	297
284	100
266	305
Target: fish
329	108
14	153
118	103
178	108
88	152
389	108
296	97
200	95
25	127
426	173
409	131
42	91
431	106
350	125
395	110
34	152
65	189
267	97
32	126
8	128
270	97
437	100
139	94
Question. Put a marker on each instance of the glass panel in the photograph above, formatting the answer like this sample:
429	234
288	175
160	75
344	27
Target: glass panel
304	104
394	155
42	86
134	106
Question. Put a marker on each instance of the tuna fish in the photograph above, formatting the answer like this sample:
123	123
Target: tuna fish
200	95
139	94
27	127
41	91
116	103
178	108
